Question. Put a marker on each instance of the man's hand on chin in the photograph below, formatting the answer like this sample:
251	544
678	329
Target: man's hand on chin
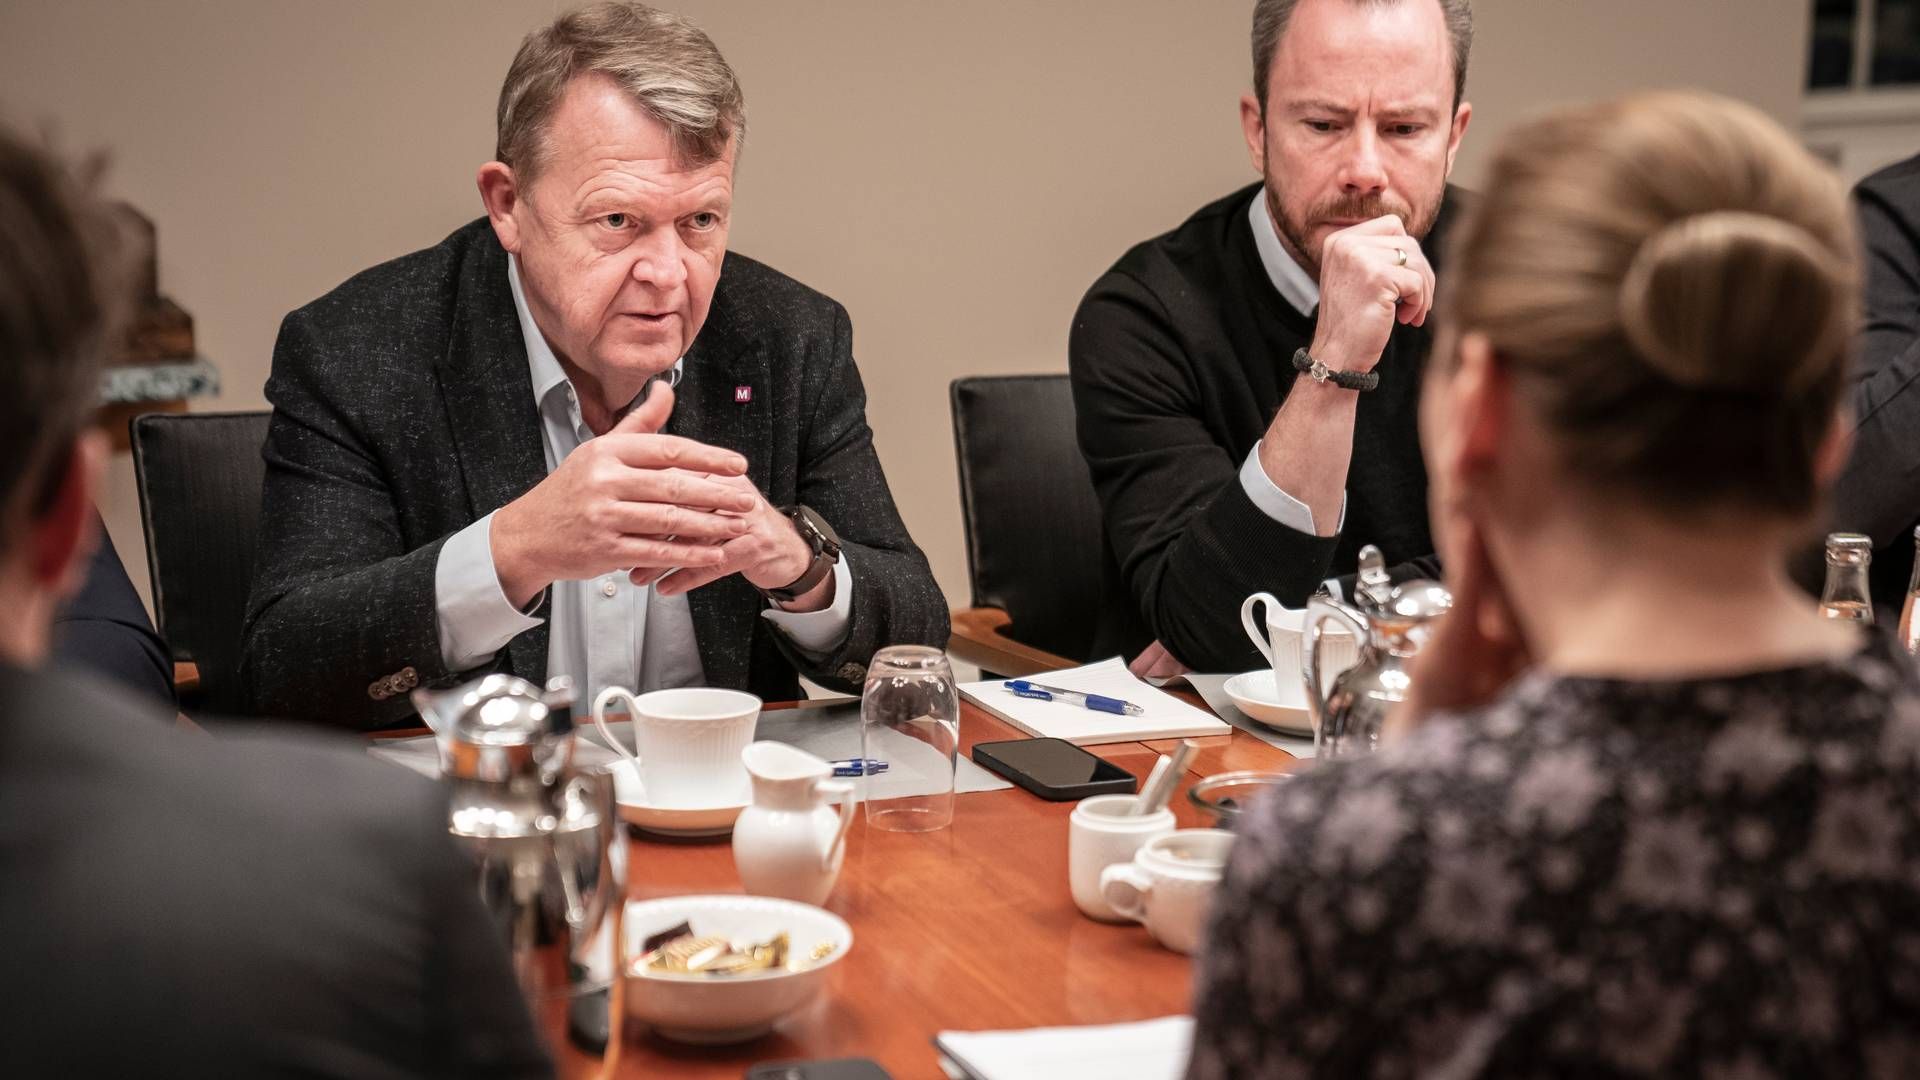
770	555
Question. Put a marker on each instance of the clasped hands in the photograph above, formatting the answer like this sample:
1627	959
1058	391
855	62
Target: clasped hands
664	508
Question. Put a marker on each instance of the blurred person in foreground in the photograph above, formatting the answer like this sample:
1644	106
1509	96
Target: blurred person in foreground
1652	814
180	905
1247	385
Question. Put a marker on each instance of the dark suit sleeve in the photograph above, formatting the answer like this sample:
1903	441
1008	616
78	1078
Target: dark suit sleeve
1189	542
338	599
895	599
105	629
1879	493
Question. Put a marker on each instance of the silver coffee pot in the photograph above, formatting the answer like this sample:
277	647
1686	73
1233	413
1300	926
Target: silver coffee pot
544	836
1390	623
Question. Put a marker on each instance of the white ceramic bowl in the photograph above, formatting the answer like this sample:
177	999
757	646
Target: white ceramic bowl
714	1010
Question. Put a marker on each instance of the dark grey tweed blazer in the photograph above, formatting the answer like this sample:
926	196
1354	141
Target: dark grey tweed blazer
403	412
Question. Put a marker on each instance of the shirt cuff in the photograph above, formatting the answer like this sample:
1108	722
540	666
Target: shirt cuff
1276	504
819	633
472	612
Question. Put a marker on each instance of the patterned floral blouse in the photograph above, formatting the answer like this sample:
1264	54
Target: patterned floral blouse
1716	878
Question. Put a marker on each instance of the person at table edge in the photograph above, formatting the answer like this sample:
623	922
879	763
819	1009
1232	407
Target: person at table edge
1224	463
579	436
1879	493
185	905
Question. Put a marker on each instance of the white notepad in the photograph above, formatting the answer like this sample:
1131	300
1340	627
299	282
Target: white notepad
1167	717
1149	1050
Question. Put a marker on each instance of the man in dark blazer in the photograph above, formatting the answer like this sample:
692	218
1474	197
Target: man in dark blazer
1879	493
1247	385
178	904
578	436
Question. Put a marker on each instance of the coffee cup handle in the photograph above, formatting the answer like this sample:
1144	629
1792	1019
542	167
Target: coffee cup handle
1124	887
1256	632
607	697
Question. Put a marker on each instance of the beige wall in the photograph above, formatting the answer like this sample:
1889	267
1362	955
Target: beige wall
955	173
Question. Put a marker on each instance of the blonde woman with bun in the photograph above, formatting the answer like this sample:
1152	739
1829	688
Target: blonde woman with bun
1649	814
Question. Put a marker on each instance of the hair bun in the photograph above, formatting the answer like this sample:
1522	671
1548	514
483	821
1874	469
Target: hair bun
1732	300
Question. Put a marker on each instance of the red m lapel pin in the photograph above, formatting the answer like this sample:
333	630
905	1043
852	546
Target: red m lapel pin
742	395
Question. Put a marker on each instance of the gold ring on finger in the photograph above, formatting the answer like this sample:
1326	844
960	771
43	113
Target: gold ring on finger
1400	256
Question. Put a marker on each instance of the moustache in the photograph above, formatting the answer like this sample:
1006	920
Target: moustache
1361	208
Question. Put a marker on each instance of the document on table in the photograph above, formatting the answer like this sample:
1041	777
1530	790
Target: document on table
1148	1050
1166	716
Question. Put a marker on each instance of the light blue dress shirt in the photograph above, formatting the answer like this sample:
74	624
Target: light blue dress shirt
605	631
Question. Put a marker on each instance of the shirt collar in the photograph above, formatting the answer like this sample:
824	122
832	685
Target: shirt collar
542	366
1293	283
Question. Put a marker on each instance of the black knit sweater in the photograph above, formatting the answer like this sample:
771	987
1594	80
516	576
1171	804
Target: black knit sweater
1180	356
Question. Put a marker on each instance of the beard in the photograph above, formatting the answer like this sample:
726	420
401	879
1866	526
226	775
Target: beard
1296	228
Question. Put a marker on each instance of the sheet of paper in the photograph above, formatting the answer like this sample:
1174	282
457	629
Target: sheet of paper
830	732
1148	1050
1166	716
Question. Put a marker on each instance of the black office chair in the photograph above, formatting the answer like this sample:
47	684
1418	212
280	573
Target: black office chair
199	477
1033	526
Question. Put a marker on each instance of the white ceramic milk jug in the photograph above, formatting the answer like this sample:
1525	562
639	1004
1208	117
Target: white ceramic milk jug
791	841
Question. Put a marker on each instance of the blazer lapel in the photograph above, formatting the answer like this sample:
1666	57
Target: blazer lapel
489	396
723	367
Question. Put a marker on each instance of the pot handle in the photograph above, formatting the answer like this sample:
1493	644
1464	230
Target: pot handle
1319	610
848	799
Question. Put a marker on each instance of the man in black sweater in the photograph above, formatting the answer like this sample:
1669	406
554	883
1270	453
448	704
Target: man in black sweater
1247	385
1879	493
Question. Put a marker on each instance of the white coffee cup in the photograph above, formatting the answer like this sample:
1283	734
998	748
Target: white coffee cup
1103	832
1169	884
687	745
1284	639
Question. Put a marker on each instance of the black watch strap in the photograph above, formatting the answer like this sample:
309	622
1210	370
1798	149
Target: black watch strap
826	553
1357	381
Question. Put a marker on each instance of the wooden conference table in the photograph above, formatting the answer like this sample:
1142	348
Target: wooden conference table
967	928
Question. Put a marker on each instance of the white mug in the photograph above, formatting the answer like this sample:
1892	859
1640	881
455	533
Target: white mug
1283	641
1169	884
687	745
1103	832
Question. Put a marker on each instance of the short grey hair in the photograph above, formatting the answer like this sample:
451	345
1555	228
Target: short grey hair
667	65
1270	18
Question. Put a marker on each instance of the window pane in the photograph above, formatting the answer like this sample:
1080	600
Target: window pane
1832	61
1896	42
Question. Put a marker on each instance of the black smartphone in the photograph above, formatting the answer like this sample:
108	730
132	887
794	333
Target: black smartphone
837	1069
1053	769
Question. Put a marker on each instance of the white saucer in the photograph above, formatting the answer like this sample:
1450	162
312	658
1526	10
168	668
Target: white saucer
691	823
1254	694
701	821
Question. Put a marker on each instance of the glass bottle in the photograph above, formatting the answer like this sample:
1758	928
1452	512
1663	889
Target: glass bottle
1909	633
1845	596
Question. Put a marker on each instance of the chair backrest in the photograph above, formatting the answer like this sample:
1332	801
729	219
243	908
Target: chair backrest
1033	525
199	477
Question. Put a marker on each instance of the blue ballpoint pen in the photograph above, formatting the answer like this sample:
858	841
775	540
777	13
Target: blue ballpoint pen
851	767
1073	697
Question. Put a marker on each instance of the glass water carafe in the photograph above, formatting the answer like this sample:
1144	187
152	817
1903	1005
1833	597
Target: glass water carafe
1845	596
